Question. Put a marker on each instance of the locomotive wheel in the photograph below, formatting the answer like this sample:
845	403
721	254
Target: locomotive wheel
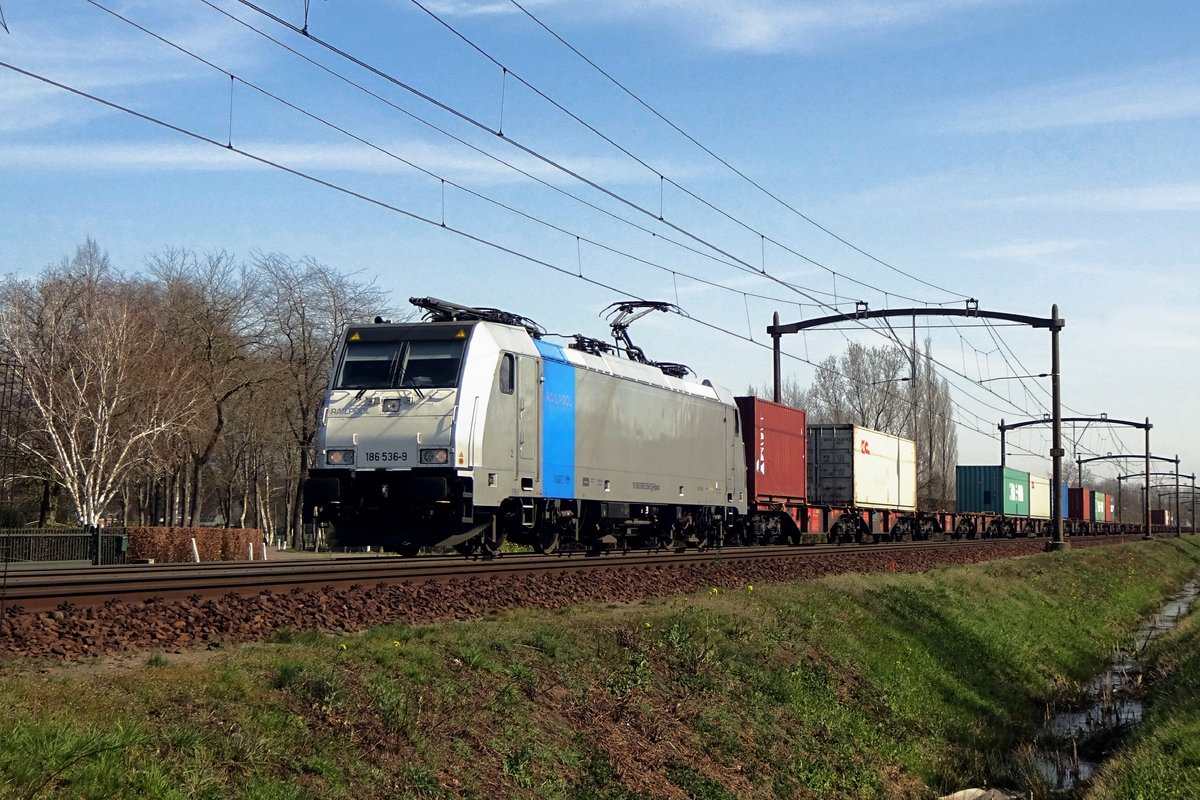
710	535
408	550
492	542
467	548
548	538
664	539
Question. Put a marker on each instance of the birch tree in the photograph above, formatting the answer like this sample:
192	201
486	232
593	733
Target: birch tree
99	373
935	433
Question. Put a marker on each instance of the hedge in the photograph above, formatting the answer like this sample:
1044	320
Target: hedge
165	545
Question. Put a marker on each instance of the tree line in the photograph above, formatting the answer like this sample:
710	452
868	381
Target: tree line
188	392
891	388
185	393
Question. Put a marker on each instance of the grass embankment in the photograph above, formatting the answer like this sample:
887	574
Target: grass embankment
1162	759
857	686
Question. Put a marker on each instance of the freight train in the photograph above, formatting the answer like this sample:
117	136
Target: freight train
470	429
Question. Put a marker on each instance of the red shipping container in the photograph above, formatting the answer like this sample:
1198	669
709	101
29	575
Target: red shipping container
1079	503
1110	507
776	441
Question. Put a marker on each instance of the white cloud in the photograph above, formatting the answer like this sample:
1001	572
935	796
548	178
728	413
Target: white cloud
101	55
475	8
1168	197
344	156
1025	252
1169	90
754	25
1056	257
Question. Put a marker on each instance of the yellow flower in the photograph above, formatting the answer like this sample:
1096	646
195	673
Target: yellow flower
396	643
342	646
714	590
647	624
749	588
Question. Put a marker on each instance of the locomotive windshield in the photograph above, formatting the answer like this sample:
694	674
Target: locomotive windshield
416	364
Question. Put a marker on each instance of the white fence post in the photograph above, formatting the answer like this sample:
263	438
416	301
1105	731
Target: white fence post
195	551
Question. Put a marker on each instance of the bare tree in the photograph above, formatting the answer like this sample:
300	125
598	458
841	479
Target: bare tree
935	433
305	306
99	372
861	388
866	386
210	316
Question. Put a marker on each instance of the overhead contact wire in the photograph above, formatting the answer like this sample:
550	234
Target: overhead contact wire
199	137
491	156
616	196
735	170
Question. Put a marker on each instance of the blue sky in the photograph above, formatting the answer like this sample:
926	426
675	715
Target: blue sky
1022	153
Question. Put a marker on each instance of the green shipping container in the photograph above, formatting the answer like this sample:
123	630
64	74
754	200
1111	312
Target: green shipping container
994	490
1099	506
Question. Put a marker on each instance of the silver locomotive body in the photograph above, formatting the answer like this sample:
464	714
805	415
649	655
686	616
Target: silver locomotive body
468	433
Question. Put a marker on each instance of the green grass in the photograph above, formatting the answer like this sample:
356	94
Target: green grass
891	686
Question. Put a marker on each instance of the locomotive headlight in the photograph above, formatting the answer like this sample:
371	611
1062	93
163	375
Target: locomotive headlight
391	405
339	458
435	455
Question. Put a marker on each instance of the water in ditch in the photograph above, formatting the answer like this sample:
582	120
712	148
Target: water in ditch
1076	737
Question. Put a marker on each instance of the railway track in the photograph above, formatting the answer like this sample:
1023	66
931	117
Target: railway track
42	591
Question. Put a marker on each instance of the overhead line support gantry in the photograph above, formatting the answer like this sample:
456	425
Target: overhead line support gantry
1053	323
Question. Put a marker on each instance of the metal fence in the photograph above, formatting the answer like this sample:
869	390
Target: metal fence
43	547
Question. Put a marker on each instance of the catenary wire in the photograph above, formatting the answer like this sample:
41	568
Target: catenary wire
732	168
199	137
550	162
472	121
746	267
446	181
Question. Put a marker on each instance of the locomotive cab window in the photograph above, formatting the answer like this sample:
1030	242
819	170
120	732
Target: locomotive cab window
507	368
416	364
366	365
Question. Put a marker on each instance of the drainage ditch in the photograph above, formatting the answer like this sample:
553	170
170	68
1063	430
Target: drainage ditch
1081	731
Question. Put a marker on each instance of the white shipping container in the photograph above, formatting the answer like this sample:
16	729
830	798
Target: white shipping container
882	469
1039	496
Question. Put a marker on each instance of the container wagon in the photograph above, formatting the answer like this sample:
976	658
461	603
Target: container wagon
995	501
775	438
862	483
1039	497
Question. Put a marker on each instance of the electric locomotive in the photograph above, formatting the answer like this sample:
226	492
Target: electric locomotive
469	429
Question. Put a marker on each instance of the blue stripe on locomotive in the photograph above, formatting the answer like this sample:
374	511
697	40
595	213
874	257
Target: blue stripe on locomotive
558	422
